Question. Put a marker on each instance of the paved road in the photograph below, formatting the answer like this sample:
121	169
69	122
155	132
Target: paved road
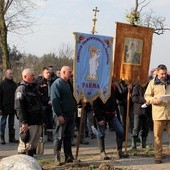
133	162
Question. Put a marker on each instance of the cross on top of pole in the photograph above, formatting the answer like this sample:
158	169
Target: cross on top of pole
94	20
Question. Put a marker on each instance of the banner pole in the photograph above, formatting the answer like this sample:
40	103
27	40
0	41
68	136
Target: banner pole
80	129
127	118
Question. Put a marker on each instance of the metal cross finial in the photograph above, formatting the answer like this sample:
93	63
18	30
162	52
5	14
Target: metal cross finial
94	20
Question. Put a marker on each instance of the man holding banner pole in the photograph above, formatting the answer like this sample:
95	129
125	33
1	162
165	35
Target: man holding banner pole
93	68
132	57
106	112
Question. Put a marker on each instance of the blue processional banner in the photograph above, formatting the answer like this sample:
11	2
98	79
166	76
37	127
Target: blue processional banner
92	67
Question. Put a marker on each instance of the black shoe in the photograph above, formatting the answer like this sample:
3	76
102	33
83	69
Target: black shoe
111	129
2	138
138	140
92	136
103	156
30	152
50	140
22	153
86	134
72	144
84	142
157	161
13	140
3	142
69	159
122	155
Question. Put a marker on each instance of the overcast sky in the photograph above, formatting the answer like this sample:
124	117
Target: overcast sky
58	19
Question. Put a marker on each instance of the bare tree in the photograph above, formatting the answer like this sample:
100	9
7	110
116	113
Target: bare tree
65	51
63	57
147	19
156	22
14	16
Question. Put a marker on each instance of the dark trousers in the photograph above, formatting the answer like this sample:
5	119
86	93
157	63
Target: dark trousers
10	117
141	125
63	134
48	120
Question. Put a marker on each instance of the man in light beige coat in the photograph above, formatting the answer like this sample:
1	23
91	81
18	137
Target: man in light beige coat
158	87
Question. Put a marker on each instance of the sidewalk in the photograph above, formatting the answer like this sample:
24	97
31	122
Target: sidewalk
90	153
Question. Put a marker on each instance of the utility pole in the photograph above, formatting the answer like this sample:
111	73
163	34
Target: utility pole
94	20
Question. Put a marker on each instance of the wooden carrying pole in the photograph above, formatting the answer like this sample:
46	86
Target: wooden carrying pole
80	129
127	118
83	102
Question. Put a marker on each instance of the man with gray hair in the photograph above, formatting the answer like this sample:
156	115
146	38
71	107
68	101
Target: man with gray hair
64	108
29	111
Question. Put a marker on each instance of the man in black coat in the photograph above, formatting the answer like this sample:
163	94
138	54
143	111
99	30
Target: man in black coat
29	111
7	93
43	86
107	112
141	116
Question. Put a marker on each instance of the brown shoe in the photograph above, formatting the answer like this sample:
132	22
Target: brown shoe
158	161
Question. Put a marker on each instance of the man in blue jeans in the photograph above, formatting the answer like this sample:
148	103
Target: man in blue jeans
7	93
106	112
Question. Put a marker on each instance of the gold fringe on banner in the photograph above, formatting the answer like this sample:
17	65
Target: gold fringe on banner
132	53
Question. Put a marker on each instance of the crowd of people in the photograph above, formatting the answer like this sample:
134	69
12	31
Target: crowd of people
46	106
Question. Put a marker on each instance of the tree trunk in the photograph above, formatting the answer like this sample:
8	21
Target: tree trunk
3	39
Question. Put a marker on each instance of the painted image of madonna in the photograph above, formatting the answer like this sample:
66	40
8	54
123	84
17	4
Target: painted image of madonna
133	51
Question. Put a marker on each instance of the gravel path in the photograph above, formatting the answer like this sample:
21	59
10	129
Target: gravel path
90	153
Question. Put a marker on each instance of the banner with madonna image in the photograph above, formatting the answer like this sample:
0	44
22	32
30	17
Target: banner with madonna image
92	67
132	53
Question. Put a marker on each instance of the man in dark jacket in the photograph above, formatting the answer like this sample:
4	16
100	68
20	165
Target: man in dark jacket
43	86
106	112
53	76
141	116
7	93
29	112
64	108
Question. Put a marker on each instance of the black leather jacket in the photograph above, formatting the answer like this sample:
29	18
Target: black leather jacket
109	109
42	87
7	92
138	100
28	105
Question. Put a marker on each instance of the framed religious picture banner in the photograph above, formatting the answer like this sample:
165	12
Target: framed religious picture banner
132	53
